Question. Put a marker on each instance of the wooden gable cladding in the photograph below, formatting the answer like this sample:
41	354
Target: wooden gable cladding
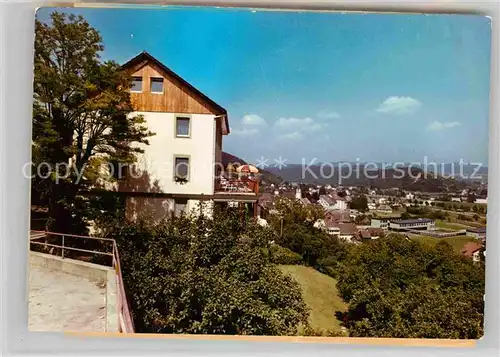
176	97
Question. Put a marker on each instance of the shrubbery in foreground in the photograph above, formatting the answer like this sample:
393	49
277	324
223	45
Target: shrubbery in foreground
399	288
203	276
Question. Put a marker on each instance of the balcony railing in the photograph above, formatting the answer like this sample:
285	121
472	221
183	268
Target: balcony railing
238	185
110	254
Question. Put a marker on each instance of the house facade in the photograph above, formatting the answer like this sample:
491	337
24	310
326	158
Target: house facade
382	222
180	170
472	250
329	203
478	233
412	224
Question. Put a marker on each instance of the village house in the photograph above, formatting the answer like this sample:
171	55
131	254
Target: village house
382	222
329	203
345	231
472	250
181	166
384	209
375	233
412	224
410	196
364	235
337	216
477	233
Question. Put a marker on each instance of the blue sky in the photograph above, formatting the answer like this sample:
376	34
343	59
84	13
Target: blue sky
331	86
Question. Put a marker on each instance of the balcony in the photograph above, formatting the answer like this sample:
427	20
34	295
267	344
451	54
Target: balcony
241	184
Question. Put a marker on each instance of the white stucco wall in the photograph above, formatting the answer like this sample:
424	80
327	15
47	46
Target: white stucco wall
158	158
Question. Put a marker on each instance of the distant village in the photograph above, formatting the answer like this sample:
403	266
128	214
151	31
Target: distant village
357	214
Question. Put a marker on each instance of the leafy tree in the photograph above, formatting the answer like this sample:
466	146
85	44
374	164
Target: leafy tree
396	287
291	211
202	276
359	203
342	193
80	115
361	219
296	223
405	215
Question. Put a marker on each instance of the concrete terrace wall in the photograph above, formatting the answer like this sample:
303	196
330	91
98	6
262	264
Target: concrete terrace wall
92	272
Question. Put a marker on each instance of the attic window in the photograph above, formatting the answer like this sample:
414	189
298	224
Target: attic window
136	84
156	85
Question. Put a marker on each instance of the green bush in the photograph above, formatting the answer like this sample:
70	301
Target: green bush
329	266
398	288
282	255
206	276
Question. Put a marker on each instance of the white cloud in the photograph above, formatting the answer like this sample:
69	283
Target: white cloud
399	105
244	132
294	124
437	125
291	136
253	119
328	114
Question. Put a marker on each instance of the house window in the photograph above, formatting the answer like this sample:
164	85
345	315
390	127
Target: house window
181	169
156	85
180	206
136	84
182	127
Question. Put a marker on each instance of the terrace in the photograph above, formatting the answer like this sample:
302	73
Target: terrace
76	284
243	180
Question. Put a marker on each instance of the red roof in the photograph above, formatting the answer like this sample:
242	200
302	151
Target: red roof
346	228
375	232
470	248
327	199
337	216
365	234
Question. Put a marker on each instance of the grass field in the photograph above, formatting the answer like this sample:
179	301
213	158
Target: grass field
320	294
449	225
457	242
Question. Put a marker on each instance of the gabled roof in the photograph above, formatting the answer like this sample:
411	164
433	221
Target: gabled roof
365	234
345	228
327	199
470	248
145	56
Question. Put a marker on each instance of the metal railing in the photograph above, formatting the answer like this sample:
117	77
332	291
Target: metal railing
125	322
237	185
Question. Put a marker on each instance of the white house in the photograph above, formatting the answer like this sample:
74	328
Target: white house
412	224
345	231
478	233
182	165
329	203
